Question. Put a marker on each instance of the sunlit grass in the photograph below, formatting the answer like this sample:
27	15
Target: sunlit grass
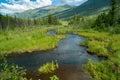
27	40
103	44
49	67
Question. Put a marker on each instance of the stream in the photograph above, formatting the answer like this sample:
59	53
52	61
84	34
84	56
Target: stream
68	52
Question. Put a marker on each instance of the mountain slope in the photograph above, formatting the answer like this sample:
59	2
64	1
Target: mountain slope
42	12
88	8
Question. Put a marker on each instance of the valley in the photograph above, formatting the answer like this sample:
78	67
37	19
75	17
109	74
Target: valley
66	42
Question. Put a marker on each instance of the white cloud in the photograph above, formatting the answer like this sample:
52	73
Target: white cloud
14	6
22	5
73	2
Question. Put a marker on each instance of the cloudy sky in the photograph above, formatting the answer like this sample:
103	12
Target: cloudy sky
13	6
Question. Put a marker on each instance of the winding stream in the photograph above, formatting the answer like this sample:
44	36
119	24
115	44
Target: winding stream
68	52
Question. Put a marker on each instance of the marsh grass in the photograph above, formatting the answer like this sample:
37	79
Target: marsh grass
103	44
49	67
22	40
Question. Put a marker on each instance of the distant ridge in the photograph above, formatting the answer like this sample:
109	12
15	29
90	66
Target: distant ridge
42	12
88	8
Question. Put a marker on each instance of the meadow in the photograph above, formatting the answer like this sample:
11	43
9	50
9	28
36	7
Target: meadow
22	40
106	45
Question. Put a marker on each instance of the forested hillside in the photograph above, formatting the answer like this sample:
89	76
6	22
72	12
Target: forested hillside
43	12
88	8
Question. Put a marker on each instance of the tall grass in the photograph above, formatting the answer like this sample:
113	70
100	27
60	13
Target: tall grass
103	44
49	67
27	40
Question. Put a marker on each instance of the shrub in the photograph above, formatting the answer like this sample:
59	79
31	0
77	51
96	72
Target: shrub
54	77
102	70
49	67
116	30
11	72
97	47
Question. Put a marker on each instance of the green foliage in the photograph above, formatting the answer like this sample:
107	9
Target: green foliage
49	67
54	77
7	22
53	20
30	39
116	30
12	72
107	70
102	22
102	71
82	22
113	12
105	43
97	47
110	20
102	44
75	20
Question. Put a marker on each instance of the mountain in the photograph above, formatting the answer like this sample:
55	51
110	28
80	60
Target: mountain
42	12
88	8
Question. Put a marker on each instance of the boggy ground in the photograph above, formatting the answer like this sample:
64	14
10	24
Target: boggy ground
65	72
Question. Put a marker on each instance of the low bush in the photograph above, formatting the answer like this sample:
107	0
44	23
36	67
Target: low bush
54	77
49	67
97	47
12	72
103	70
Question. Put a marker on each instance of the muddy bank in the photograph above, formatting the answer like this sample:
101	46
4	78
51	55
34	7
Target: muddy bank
65	72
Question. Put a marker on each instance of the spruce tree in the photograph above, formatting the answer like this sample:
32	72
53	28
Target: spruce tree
112	13
50	19
0	21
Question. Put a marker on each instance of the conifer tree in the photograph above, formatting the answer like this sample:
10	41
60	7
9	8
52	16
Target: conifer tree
112	13
50	19
0	21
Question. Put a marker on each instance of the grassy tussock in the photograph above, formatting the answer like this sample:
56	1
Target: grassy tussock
49	67
22	40
103	44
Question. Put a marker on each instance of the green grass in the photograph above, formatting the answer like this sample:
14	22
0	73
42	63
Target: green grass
27	40
98	47
107	45
49	67
102	44
54	77
103	71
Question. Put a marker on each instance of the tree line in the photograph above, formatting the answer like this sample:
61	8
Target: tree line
12	22
104	21
111	20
